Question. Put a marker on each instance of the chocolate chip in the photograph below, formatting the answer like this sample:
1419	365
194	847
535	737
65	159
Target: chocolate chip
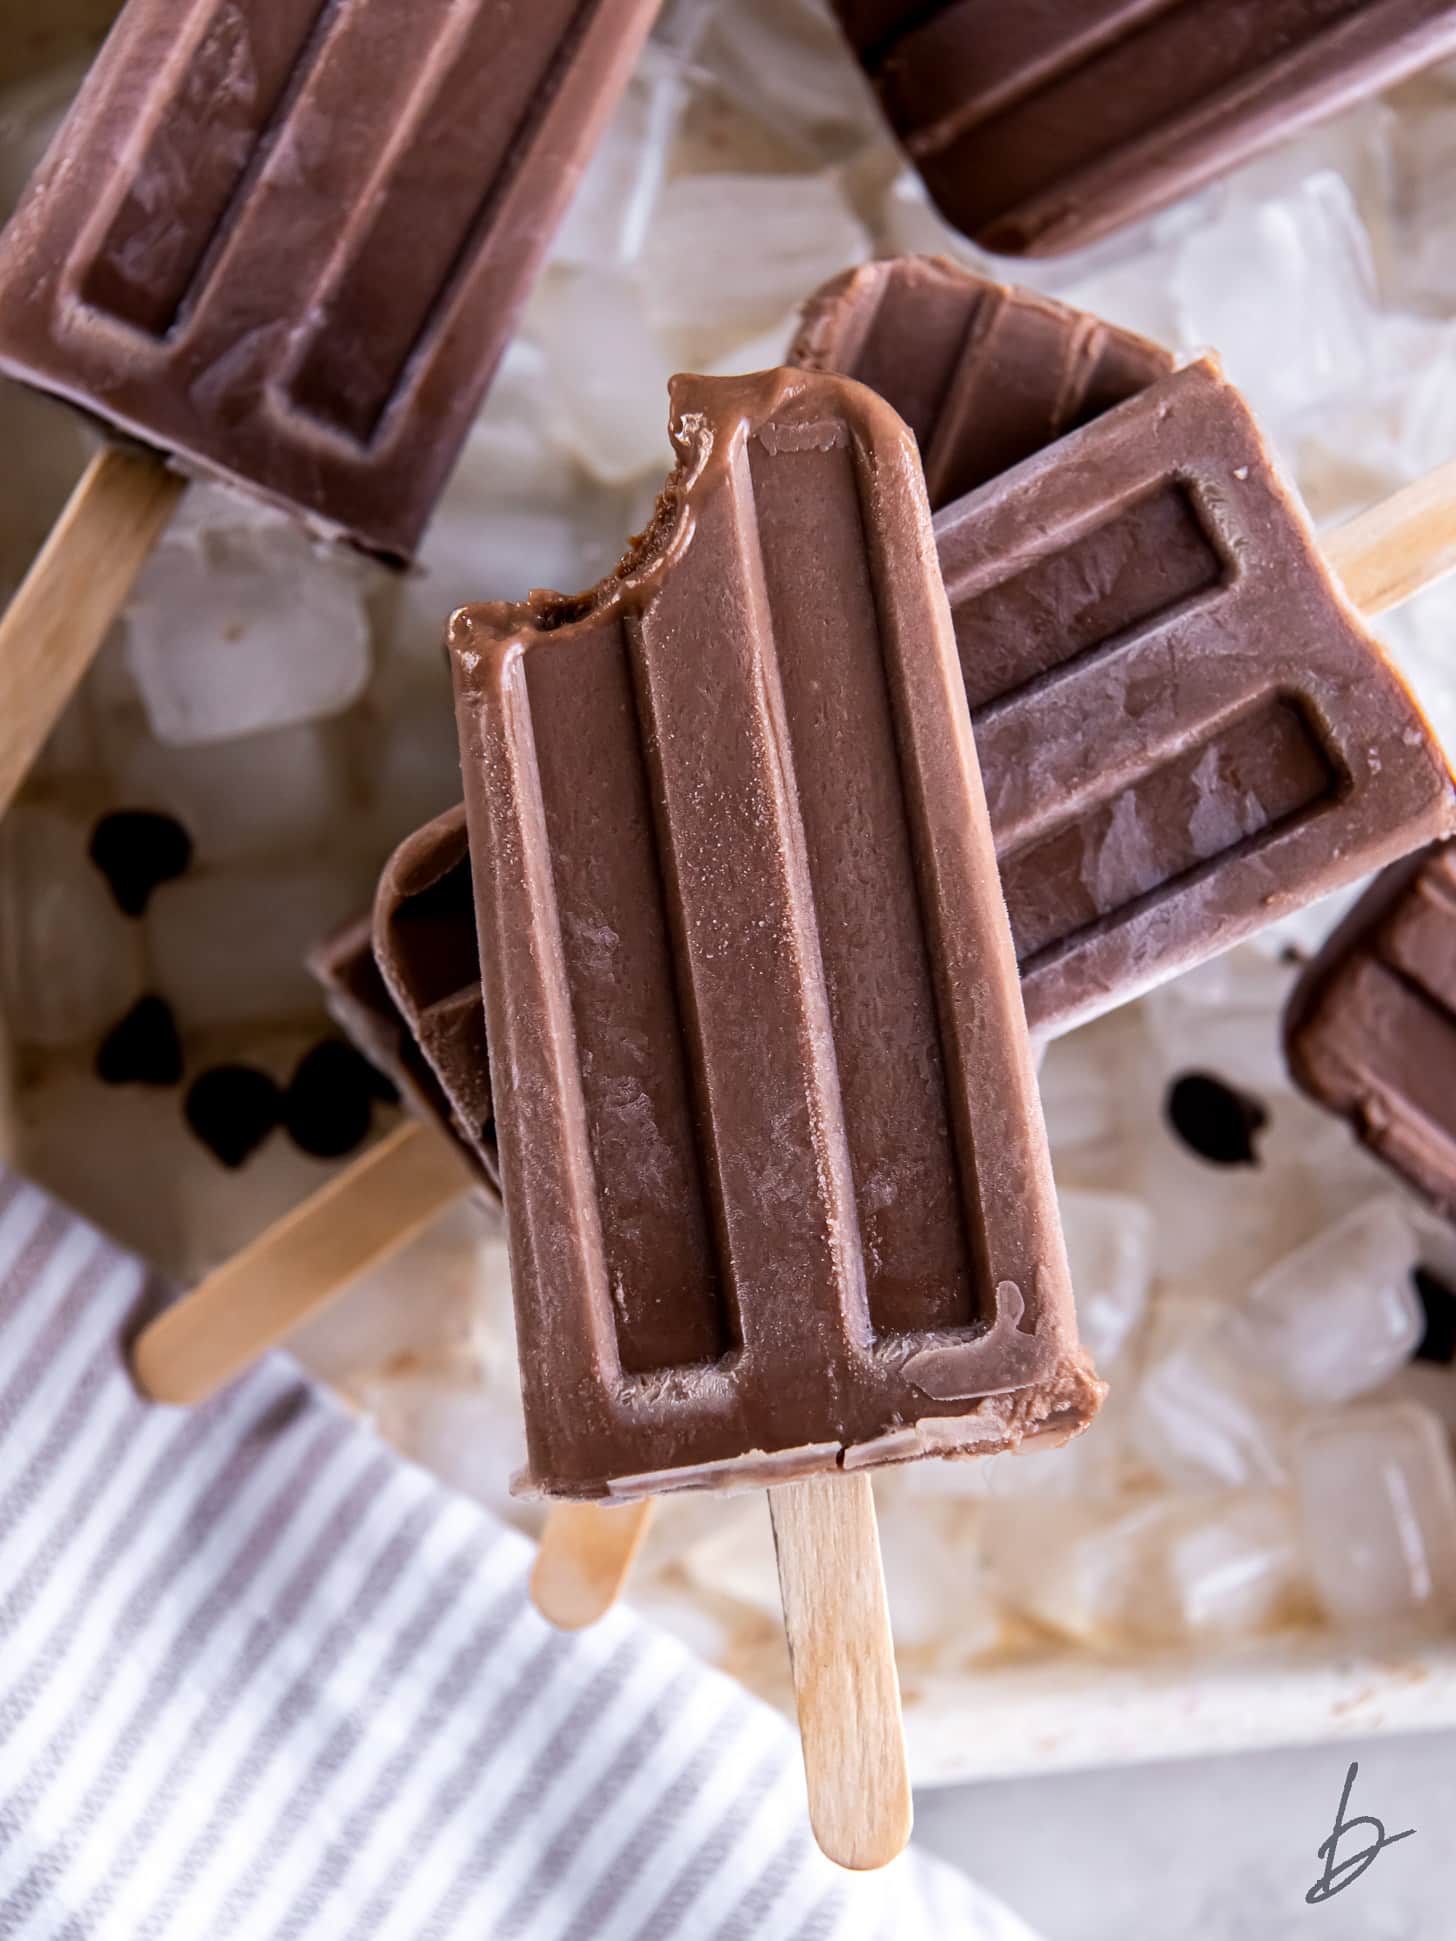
1214	1120
232	1109
135	850
143	1048
1438	1343
330	1101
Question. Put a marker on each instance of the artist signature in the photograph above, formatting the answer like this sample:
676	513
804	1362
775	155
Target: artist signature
1340	1874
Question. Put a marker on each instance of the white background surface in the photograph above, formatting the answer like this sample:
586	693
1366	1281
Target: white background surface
1213	1849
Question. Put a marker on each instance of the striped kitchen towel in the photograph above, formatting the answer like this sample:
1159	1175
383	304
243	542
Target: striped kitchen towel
262	1679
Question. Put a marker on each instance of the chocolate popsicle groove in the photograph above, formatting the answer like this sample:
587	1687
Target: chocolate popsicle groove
277	241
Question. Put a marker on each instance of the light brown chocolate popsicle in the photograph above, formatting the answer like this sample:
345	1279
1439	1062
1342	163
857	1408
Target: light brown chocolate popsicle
776	1181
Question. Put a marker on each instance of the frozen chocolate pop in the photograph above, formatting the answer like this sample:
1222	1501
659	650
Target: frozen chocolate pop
286	244
1370	1028
1040	125
776	1182
1184	728
983	374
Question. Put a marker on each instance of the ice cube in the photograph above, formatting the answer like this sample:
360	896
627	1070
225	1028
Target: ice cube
1308	339
1109	1249
761	352
1206	1414
371	1327
905	222
228	947
758	245
1224	1018
240	622
440	1414
1233	1565
1340	1314
736	1558
69	960
937	1586
1423	260
1147	1571
1419	637
610	212
1377	1498
1092	1084
414	770
787	63
608	404
277	794
518	513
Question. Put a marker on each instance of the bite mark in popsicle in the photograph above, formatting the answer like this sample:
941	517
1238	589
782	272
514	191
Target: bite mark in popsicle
768	1124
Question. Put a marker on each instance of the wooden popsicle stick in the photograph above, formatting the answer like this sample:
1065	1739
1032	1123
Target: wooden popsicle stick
299	1264
586	1554
1393	549
843	1658
75	588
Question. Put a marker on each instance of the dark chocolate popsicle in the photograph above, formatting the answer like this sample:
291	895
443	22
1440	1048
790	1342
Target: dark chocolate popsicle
1370	1028
287	242
1184	727
775	1175
1041	125
985	375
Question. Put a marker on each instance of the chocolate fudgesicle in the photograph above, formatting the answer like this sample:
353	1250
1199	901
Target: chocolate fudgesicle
775	1174
1040	125
1370	1028
288	242
1184	727
404	984
985	375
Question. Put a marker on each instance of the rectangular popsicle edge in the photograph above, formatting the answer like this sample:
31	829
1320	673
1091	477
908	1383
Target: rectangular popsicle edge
1043	126
1370	1026
278	238
845	1209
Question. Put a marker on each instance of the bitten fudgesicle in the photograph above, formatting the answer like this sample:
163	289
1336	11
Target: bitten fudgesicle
777	1185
